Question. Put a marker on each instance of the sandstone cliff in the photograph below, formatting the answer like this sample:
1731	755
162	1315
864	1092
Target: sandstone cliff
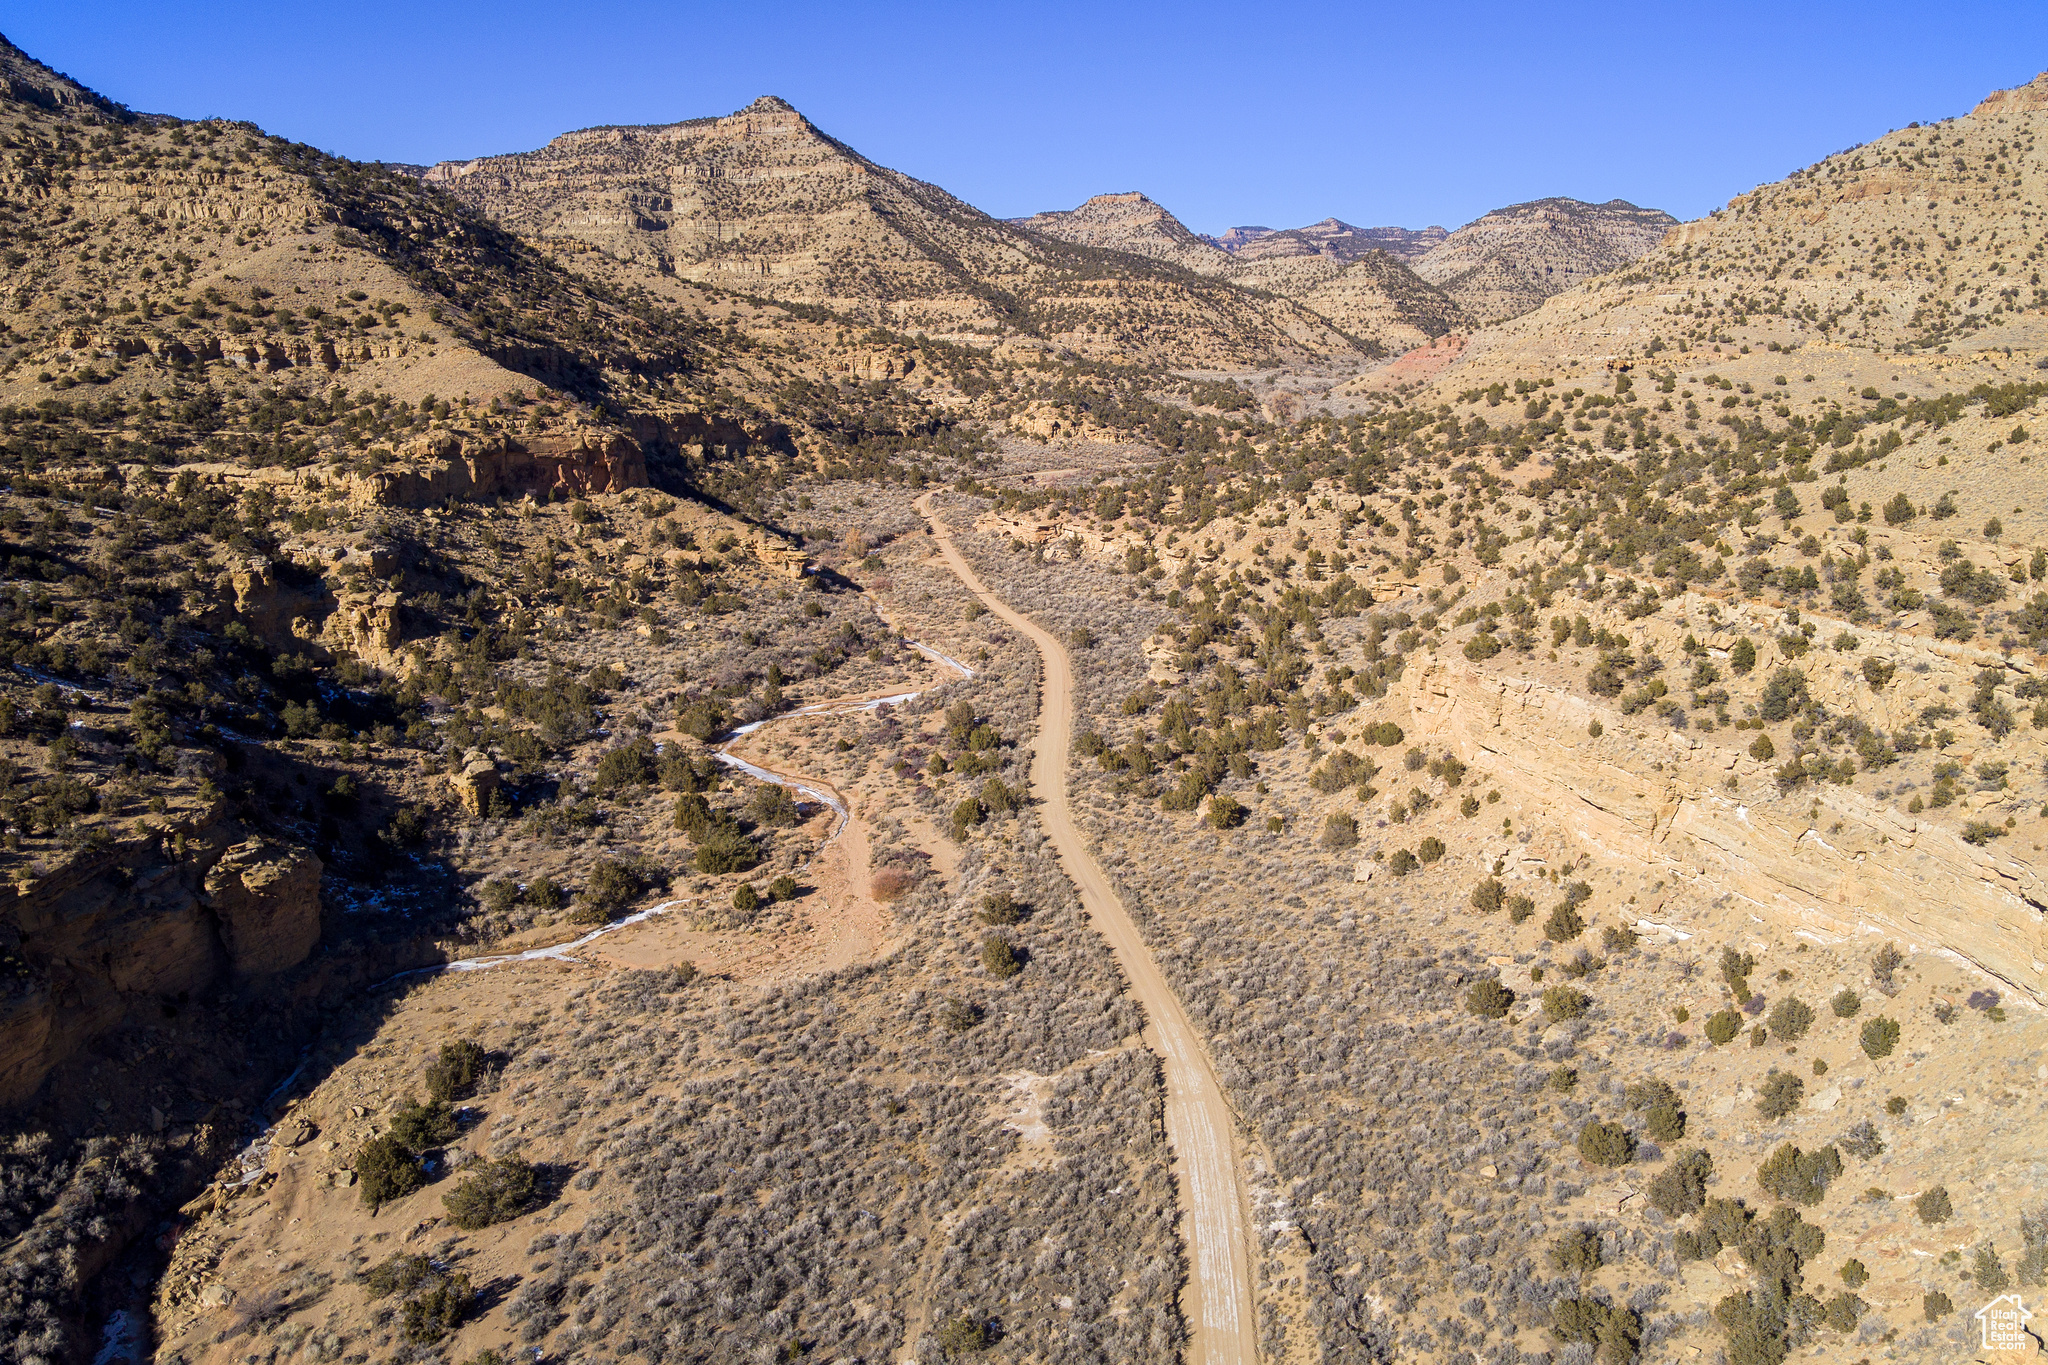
472	467
114	935
1835	861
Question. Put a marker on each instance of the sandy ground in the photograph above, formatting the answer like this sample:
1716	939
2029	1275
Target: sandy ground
1218	1304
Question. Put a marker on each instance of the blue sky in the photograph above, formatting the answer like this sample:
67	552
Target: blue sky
1226	113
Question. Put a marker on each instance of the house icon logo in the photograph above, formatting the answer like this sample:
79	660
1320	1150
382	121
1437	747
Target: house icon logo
2005	1324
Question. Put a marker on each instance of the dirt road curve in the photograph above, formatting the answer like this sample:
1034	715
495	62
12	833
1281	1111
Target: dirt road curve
1218	1303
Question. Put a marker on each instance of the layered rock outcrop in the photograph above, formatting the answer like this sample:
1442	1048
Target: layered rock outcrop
120	932
466	467
1832	859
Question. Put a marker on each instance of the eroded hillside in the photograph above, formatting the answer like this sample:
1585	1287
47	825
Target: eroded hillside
524	841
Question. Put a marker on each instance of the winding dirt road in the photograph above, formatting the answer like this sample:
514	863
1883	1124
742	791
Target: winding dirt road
1218	1303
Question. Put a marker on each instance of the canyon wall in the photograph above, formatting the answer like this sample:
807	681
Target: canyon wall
115	935
467	467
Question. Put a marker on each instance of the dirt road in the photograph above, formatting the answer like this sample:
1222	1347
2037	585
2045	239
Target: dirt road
1218	1303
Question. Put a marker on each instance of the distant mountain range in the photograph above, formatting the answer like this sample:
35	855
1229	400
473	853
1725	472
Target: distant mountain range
763	202
1332	237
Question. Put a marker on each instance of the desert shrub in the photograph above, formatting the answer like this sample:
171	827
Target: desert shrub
1933	1205
437	1310
704	719
1648	1093
1386	734
1854	1273
1616	938
421	1127
771	805
399	1274
454	1074
1000	957
543	894
1565	1002
1577	1251
1520	908
1936	1305
628	765
1489	999
965	1336
613	885
1845	1003
492	1193
1780	1094
1606	1144
1978	587
1488	896
1342	769
2033	1267
1340	831
745	899
1862	1141
1762	750
1879	1037
1883	964
1430	849
1784	695
1988	1271
966	815
1735	970
726	850
1681	1187
1401	862
1665	1122
1564	924
498	895
998	907
783	888
1799	1177
1612	1329
890	883
1225	812
1789	1019
387	1169
959	1015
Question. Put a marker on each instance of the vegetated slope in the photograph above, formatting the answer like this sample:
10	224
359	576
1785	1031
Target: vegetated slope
1332	237
1653	715
178	245
1928	239
761	201
1507	262
1373	294
1343	274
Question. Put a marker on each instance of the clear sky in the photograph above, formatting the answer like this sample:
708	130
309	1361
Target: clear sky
1226	113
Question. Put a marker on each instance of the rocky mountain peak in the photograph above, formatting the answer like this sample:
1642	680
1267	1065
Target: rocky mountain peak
2032	95
28	81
